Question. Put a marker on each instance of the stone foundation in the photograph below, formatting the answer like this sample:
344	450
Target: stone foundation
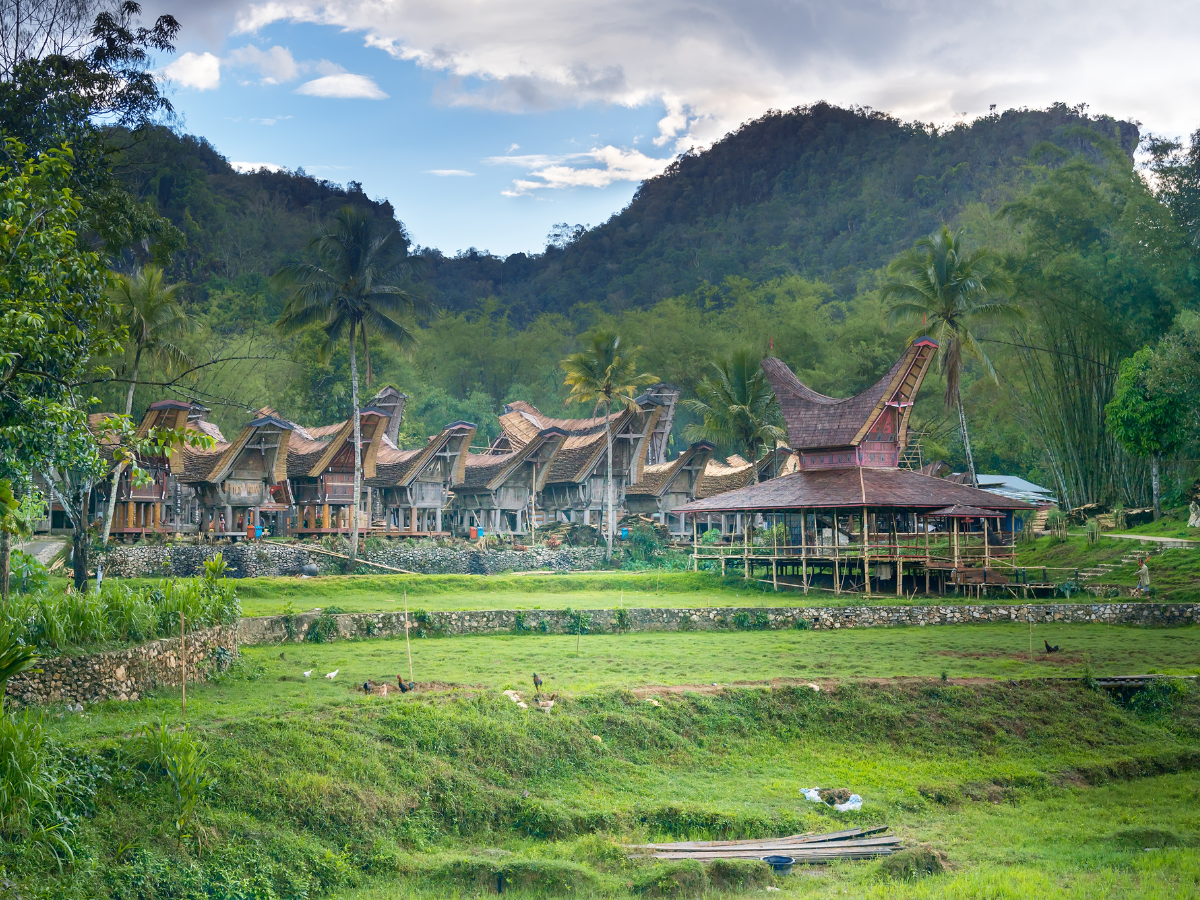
124	674
268	559
277	629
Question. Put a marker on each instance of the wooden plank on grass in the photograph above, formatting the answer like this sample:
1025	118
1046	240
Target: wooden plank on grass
806	838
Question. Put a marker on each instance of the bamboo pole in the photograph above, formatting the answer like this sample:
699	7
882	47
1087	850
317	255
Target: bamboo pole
407	642
182	663
775	557
746	546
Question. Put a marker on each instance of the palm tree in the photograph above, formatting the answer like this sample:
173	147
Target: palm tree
605	374
155	320
737	407
353	288
951	289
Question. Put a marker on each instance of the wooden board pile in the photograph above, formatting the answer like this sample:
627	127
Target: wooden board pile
854	843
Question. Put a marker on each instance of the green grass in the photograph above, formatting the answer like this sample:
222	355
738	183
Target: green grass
1172	524
320	790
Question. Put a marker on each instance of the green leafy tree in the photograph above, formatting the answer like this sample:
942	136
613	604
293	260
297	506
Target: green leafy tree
737	407
149	312
952	290
1149	421
605	374
54	323
1103	268
356	287
67	69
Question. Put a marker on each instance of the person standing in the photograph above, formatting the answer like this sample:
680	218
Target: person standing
1143	582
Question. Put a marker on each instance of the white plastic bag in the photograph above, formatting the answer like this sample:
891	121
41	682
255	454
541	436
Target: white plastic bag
812	794
855	802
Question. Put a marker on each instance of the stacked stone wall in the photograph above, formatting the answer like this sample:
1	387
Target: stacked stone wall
258	559
124	674
278	629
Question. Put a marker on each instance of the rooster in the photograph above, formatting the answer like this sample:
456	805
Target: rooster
405	688
537	684
332	675
1050	649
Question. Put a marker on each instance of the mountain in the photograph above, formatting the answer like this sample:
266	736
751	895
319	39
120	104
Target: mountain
820	191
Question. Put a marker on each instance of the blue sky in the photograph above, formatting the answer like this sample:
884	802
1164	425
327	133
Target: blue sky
450	171
485	123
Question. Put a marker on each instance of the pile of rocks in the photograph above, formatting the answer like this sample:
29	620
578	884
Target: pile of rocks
266	558
277	629
124	674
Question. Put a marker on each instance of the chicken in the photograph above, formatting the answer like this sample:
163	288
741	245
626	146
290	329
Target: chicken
332	675
1050	649
547	705
309	672
366	687
405	688
537	684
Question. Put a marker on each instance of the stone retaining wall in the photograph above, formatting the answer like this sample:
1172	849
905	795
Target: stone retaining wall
277	629
124	674
266	558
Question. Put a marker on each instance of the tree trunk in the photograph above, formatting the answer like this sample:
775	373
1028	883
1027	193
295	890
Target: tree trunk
5	559
357	457
112	503
753	463
79	545
1154	485
962	426
137	362
608	485
367	356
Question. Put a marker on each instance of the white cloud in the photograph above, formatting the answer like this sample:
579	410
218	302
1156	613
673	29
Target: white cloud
271	120
344	85
712	64
275	65
256	166
201	71
449	173
599	168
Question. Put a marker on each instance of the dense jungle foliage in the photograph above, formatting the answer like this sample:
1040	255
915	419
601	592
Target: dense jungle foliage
776	239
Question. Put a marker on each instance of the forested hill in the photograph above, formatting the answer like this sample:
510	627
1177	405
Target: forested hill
236	224
824	192
819	191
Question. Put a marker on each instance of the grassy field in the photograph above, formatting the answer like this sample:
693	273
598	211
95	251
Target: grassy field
1033	789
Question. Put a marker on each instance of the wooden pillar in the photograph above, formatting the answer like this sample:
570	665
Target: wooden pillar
866	553
803	552
695	543
130	512
438	518
325	516
956	556
746	546
925	525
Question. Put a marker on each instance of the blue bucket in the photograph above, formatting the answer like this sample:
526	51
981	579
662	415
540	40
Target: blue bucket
781	864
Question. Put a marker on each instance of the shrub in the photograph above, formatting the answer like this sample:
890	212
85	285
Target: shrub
623	620
684	878
55	620
1093	530
913	863
26	574
1158	698
178	756
520	626
578	621
29	781
324	629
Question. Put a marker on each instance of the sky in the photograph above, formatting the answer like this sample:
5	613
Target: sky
485	122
